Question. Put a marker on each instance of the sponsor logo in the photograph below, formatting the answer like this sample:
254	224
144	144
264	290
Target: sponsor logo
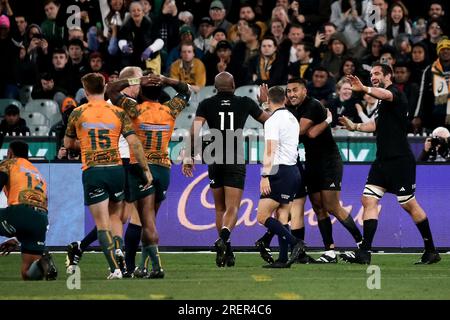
402	189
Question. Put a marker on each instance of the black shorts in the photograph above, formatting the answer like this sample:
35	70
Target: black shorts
323	174
284	184
397	176
226	175
301	191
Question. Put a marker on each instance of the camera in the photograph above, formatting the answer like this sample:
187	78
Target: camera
439	149
436	141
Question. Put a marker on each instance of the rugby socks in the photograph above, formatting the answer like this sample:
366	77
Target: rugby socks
326	230
267	238
118	242
369	229
132	239
88	239
425	231
299	233
277	228
284	247
224	234
351	227
106	242
150	252
35	271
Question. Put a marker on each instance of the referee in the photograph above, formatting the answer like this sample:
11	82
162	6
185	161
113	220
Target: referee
280	176
394	168
226	114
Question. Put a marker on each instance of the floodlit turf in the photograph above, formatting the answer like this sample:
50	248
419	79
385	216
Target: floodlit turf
195	276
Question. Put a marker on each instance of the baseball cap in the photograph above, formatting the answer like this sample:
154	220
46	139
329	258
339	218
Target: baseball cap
4	21
12	109
444	43
186	29
223	44
207	20
216	4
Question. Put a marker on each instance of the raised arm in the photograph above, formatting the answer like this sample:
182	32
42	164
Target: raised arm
378	93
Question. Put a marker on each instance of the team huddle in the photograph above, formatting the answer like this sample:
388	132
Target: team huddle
119	188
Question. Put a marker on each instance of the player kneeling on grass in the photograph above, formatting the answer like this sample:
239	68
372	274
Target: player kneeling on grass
26	214
280	176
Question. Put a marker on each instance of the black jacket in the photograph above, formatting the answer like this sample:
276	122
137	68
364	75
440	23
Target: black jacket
19	128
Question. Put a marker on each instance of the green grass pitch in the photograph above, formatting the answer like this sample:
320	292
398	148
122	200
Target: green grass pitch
195	276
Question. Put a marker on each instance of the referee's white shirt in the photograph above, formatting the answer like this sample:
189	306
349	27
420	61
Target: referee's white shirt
124	148
283	127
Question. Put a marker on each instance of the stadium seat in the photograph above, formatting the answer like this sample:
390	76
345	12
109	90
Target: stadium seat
184	119
170	91
206	92
25	94
38	123
248	91
49	108
6	102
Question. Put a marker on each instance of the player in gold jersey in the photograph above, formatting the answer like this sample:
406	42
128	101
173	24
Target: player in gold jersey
154	123
25	219
98	125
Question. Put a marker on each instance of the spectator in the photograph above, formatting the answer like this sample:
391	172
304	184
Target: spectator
46	89
437	12
77	64
19	34
374	53
367	110
217	13
280	13
322	86
362	45
89	15
346	15
9	54
388	55
217	36
52	32
13	124
322	38
60	71
402	75
186	36
243	53
436	148
189	69
419	61
351	66
397	21
277	31
205	30
75	32
289	46
186	18
169	26
269	67
344	103
435	33
306	63
96	64
138	39
335	56
403	47
218	62
312	14
113	14
433	106
246	13
380	25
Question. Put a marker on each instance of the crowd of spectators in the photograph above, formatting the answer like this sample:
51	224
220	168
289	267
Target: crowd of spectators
51	44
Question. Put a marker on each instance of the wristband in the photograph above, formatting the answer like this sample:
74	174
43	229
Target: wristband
369	90
134	81
358	127
329	120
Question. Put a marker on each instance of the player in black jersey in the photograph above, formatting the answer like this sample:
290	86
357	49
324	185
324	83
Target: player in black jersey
394	169
225	114
323	166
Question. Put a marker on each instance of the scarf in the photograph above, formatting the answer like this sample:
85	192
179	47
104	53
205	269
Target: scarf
264	67
441	91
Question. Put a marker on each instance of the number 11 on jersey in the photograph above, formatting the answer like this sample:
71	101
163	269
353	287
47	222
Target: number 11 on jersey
222	120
